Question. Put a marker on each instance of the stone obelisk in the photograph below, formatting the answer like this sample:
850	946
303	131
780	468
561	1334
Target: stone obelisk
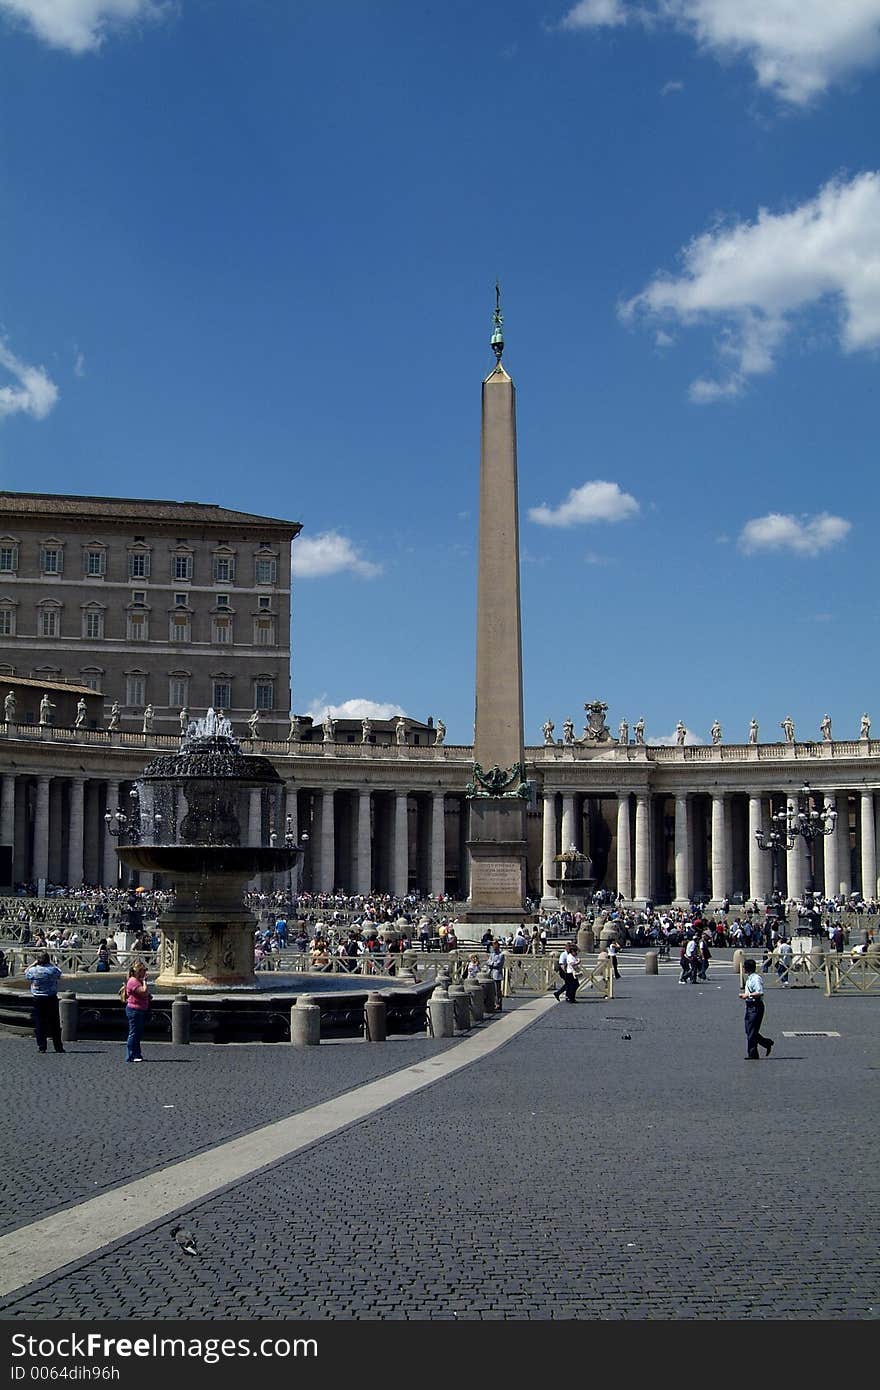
498	793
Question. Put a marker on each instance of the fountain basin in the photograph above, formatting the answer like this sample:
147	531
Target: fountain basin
261	1014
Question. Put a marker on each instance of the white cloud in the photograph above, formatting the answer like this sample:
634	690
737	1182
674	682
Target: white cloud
797	48
804	535
662	339
80	26
79	364
34	393
353	709
671	87
595	14
593	501
753	278
314	557
671	740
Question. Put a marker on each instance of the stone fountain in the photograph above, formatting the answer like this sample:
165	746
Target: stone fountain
203	818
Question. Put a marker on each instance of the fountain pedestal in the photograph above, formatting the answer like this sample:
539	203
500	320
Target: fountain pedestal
208	935
207	945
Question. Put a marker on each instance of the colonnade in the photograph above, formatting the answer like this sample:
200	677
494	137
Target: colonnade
359	840
673	846
394	840
646	842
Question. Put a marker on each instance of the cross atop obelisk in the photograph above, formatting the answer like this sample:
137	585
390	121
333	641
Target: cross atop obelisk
497	795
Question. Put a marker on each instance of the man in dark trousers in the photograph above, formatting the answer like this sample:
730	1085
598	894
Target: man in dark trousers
753	993
44	978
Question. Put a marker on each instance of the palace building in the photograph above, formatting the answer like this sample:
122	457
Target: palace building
162	604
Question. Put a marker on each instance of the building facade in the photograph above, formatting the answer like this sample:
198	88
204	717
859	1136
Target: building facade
659	824
164	604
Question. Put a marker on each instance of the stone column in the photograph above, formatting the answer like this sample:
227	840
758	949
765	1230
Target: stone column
400	861
291	812
548	848
841	835
110	872
682	852
569	825
720	867
830	856
869	847
757	857
41	830
643	847
796	864
624	847
363	876
76	832
7	811
327	843
255	830
438	843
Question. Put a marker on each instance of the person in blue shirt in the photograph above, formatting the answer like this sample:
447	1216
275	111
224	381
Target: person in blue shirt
753	993
44	979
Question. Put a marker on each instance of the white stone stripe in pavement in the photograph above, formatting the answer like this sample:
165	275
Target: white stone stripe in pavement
72	1235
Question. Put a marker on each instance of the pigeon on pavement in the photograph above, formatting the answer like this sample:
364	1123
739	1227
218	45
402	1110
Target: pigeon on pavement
185	1239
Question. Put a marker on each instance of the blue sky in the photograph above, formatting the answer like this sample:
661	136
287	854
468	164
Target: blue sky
248	257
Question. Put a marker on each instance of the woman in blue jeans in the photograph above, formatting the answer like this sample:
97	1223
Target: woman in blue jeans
137	1003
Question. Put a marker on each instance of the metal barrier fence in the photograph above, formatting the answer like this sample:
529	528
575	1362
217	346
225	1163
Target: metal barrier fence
852	974
76	962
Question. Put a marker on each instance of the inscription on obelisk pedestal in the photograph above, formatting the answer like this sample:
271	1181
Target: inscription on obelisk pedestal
497	840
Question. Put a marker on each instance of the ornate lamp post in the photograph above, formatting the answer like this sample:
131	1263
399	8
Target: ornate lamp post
127	828
800	820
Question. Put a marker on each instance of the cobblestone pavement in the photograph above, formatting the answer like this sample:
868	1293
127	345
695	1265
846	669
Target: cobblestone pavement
575	1173
83	1122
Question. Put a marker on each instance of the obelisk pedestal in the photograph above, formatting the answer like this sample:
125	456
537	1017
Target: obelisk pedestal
498	793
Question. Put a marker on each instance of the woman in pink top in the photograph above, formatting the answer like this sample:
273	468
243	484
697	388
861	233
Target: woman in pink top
137	1002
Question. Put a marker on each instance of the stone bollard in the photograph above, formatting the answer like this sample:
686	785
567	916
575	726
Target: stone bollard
442	1011
490	992
180	1019
474	991
652	962
739	956
68	1010
586	941
305	1022
461	1007
375	1019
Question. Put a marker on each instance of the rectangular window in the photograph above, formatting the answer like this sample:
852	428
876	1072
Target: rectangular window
137	627
264	601
183	567
222	694
52	560
222	600
266	570
96	562
92	680
178	692
223	569
7	622
49	622
135	690
180	628
138	595
138	564
264	632
222	631
264	695
8	558
181	600
94	625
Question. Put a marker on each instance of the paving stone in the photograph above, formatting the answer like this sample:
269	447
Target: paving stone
568	1175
